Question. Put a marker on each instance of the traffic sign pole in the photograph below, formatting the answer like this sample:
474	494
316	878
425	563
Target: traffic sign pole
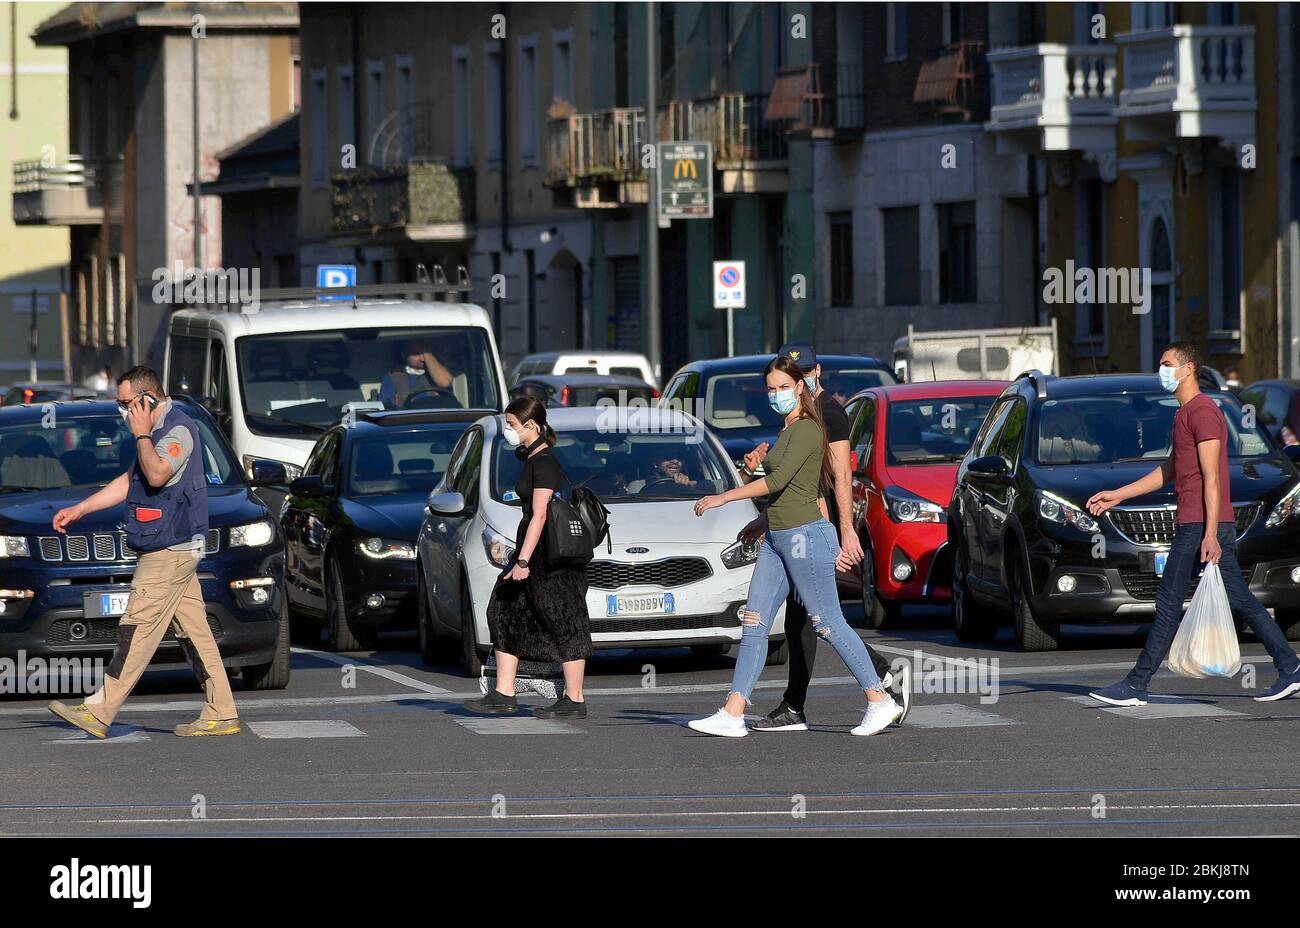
652	201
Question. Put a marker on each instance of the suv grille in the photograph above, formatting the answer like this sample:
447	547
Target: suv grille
104	547
1156	526
675	571
104	631
1142	584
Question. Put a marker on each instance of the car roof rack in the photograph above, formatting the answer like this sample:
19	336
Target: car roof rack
1038	379
430	282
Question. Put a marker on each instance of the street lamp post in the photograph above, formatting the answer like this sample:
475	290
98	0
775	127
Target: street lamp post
652	201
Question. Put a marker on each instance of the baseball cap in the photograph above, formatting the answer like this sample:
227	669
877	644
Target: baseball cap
801	353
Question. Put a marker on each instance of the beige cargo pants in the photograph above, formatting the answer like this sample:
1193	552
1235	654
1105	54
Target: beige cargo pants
165	587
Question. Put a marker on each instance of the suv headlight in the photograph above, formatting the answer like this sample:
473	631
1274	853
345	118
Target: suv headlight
14	546
1054	509
1286	507
739	554
906	506
291	471
383	549
499	550
252	535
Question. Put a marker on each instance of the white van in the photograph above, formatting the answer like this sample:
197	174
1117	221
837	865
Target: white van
278	375
616	363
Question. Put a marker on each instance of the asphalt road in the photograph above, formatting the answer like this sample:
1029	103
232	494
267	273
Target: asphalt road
387	748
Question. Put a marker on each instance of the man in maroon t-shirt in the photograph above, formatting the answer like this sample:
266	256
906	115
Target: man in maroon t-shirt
1206	533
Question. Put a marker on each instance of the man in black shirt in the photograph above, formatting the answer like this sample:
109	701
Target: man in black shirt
838	505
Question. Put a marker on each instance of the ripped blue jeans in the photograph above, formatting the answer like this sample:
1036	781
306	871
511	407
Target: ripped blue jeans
805	558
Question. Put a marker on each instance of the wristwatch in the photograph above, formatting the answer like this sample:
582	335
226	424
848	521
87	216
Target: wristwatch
522	563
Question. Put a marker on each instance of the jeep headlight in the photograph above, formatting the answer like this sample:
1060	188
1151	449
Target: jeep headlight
1054	509
500	551
739	554
14	546
1286	507
252	535
383	549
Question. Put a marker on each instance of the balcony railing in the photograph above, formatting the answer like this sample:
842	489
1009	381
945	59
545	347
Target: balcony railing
1184	67
606	146
74	193
419	194
1065	91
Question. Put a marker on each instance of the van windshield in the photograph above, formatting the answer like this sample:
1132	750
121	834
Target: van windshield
301	383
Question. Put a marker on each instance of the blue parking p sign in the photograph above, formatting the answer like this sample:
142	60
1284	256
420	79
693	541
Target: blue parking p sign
336	275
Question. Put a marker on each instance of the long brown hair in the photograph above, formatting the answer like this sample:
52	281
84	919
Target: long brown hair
808	409
530	408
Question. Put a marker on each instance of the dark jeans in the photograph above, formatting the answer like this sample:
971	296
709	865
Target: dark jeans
1180	569
802	637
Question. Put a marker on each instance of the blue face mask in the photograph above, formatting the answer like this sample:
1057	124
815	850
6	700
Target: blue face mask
783	401
1167	378
811	384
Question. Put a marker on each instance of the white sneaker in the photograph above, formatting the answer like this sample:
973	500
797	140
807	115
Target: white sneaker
905	693
723	724
887	681
879	716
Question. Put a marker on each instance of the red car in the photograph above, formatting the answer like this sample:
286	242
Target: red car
906	441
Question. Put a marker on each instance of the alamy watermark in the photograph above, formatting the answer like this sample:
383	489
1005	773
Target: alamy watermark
182	286
50	676
1106	286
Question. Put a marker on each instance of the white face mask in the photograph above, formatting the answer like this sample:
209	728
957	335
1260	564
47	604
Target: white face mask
509	436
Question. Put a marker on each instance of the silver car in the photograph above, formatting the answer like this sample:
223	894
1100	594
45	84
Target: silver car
668	578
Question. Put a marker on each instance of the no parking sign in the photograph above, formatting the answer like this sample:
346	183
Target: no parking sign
728	284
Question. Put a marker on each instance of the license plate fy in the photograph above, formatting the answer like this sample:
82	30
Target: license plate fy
100	605
640	604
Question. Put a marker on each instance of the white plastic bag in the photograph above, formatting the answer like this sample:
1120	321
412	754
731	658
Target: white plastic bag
1206	643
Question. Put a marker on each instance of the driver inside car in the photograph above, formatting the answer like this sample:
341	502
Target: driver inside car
667	472
422	372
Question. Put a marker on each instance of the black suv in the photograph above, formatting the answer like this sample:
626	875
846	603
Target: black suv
1024	543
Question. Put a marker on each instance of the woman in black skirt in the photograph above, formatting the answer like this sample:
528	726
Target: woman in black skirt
537	612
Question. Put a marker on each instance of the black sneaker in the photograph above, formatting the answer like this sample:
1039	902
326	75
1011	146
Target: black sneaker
782	718
493	703
562	708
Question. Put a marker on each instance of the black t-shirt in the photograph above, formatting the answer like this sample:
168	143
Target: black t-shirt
838	427
540	471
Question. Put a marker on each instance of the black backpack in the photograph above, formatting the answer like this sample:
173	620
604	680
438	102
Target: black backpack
574	526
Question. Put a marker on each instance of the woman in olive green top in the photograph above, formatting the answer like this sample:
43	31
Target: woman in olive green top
799	550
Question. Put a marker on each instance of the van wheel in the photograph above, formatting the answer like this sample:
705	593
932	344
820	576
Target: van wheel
339	633
1032	634
970	621
471	659
275	675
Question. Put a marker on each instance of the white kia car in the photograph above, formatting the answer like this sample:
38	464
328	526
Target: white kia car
668	578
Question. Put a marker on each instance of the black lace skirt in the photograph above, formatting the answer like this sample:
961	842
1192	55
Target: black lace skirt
543	618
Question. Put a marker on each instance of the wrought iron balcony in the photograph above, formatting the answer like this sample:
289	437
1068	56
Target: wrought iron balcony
71	194
421	200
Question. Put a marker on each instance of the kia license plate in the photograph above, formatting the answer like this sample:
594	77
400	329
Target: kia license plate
640	604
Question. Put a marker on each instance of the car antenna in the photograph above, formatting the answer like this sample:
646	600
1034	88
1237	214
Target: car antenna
934	375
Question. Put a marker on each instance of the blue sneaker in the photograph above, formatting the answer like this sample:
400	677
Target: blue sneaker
1286	685
1122	693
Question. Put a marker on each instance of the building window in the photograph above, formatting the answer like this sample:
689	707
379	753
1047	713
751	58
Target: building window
1225	252
295	73
667	39
344	107
1090	252
320	129
528	100
562	66
902	256
406	105
376	100
957	253
952	31
1083	14
462	142
841	259
492	78
1152	15
895	31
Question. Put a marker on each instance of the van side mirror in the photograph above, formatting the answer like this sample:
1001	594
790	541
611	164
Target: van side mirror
267	473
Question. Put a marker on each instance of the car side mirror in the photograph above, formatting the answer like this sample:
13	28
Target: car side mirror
446	504
991	465
307	487
1292	452
267	473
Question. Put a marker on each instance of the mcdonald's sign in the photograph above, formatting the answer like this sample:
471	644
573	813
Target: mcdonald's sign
684	180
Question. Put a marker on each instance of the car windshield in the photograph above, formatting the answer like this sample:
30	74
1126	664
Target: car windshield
404	463
739	401
88	450
301	383
1129	427
934	431
625	467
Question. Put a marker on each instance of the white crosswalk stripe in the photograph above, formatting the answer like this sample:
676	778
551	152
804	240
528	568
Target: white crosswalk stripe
1159	707
954	715
518	726
128	734
306	728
